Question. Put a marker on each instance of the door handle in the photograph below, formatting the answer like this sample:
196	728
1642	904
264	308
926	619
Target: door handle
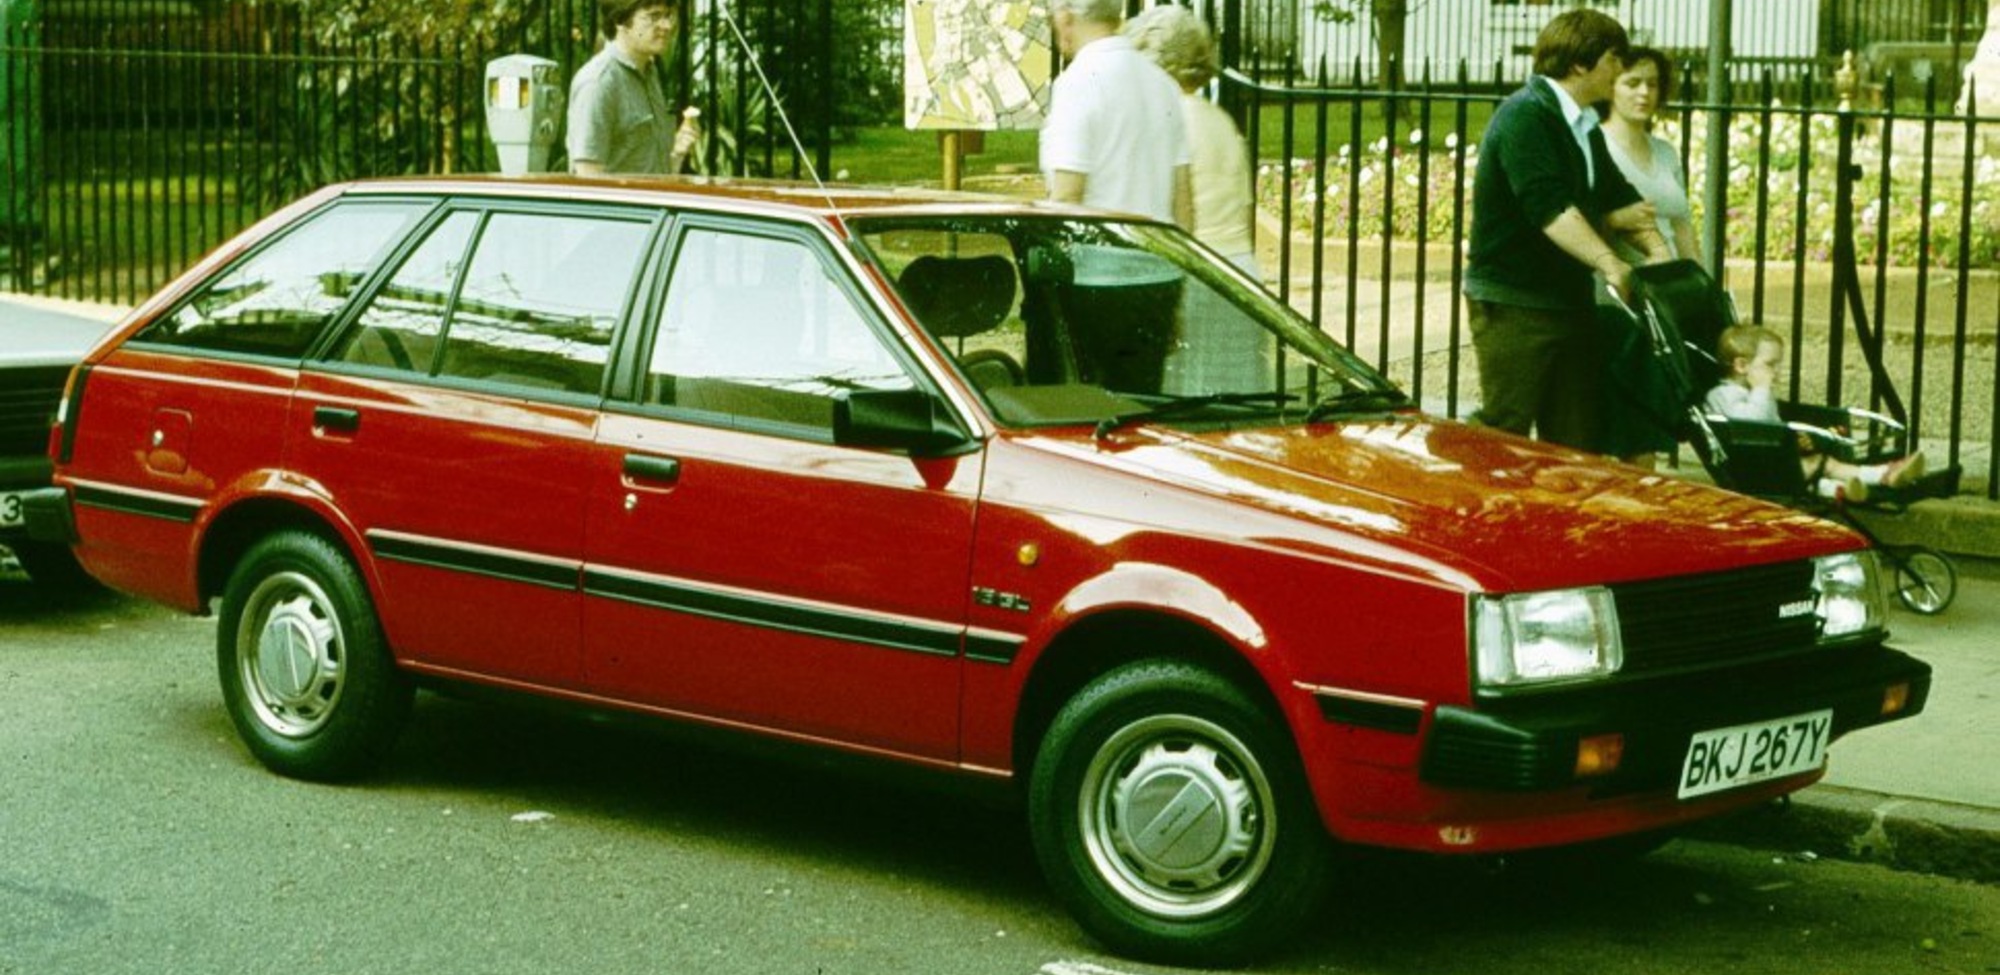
338	418
647	467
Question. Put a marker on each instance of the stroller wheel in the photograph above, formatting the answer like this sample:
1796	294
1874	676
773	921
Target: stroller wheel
1925	580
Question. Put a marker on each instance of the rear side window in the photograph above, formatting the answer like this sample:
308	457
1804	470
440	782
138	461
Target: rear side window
526	300
276	301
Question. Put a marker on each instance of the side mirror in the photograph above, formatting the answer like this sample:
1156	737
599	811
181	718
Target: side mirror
899	419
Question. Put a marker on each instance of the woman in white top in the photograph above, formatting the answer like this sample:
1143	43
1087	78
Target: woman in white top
1176	39
1640	414
1650	163
1238	354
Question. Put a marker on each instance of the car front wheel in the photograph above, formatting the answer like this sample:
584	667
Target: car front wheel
1170	815
306	674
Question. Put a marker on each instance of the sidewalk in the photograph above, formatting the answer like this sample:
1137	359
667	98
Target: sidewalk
1922	794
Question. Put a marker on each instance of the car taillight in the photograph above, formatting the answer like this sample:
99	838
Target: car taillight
62	435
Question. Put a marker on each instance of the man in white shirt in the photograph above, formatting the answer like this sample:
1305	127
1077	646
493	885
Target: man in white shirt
1114	138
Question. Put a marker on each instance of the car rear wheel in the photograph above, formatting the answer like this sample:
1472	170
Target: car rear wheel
1170	815
306	674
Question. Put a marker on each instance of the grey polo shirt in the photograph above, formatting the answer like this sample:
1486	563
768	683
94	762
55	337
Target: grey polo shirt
618	116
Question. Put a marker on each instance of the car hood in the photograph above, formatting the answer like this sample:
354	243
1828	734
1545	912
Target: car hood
1502	512
31	335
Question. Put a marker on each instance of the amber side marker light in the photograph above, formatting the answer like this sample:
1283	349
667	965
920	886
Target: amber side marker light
1599	755
1895	698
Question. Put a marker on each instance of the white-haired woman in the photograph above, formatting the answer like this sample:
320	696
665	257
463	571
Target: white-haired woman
1176	39
1236	356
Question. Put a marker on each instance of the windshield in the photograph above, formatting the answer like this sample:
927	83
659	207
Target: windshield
1060	320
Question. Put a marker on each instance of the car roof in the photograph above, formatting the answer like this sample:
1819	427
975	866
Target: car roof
829	203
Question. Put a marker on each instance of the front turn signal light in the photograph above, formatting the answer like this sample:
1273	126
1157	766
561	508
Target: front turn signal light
1599	755
1895	698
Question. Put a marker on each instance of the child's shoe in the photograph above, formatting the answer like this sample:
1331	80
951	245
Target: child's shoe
1898	473
1840	489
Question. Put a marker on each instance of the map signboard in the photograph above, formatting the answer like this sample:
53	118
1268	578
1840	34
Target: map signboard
976	64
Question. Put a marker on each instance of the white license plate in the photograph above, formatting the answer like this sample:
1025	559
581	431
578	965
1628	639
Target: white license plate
10	508
1729	757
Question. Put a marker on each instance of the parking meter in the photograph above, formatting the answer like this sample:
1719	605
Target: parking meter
524	109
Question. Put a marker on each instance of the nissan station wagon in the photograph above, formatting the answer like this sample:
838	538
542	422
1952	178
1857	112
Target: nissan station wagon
1029	493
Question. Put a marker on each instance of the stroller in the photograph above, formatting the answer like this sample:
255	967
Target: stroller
1684	312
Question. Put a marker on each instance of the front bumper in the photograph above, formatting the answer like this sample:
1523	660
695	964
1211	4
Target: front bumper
1529	743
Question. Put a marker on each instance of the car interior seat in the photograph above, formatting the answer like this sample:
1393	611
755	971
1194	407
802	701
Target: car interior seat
956	298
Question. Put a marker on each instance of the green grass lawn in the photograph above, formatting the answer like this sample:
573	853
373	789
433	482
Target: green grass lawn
894	155
890	154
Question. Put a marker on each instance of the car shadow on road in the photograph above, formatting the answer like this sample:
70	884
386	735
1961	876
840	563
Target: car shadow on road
23	600
724	786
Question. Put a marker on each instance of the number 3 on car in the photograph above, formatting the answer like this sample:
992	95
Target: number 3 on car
1728	757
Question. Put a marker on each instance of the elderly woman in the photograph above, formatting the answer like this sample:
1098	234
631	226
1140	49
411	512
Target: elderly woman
1180	43
1238	354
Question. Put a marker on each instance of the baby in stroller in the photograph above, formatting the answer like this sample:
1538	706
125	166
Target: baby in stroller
1749	356
1741	432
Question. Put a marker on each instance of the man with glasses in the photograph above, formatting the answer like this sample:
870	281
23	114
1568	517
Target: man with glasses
619	118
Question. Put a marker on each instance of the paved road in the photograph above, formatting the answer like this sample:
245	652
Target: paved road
139	837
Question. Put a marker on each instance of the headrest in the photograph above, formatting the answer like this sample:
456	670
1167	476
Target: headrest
958	296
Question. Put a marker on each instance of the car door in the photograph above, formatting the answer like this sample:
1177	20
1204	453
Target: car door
744	568
452	422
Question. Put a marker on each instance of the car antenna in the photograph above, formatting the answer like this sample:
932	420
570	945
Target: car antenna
757	65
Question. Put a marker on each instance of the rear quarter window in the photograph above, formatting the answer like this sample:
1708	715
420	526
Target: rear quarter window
277	300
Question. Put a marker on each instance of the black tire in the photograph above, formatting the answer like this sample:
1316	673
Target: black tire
1158	737
52	566
306	674
1925	580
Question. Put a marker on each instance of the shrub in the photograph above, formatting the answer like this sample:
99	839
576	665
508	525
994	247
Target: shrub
1379	188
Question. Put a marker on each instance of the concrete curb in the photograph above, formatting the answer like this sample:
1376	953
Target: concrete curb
1920	835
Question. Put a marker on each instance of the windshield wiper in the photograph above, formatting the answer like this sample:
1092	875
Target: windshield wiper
1358	401
1187	404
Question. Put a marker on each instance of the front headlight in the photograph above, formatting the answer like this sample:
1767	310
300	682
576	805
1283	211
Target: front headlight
1850	594
1541	637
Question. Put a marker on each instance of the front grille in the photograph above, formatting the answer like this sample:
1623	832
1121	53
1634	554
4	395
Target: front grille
28	400
1707	620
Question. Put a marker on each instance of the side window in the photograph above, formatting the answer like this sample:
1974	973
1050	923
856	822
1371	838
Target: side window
755	328
534	306
277	300
400	327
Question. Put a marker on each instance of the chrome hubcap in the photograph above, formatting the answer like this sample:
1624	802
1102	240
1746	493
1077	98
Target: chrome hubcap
1176	816
292	654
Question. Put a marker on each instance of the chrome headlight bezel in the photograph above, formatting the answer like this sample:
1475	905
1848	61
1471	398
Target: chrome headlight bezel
1558	636
1847	590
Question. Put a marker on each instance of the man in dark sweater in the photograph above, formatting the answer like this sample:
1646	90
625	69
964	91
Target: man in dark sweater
1546	194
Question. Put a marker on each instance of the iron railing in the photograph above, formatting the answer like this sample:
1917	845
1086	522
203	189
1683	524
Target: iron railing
1368	198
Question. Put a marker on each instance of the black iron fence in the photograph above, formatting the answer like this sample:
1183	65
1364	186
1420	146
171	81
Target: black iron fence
138	134
135	135
1369	200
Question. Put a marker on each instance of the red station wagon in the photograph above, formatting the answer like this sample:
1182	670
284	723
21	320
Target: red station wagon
1028	492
